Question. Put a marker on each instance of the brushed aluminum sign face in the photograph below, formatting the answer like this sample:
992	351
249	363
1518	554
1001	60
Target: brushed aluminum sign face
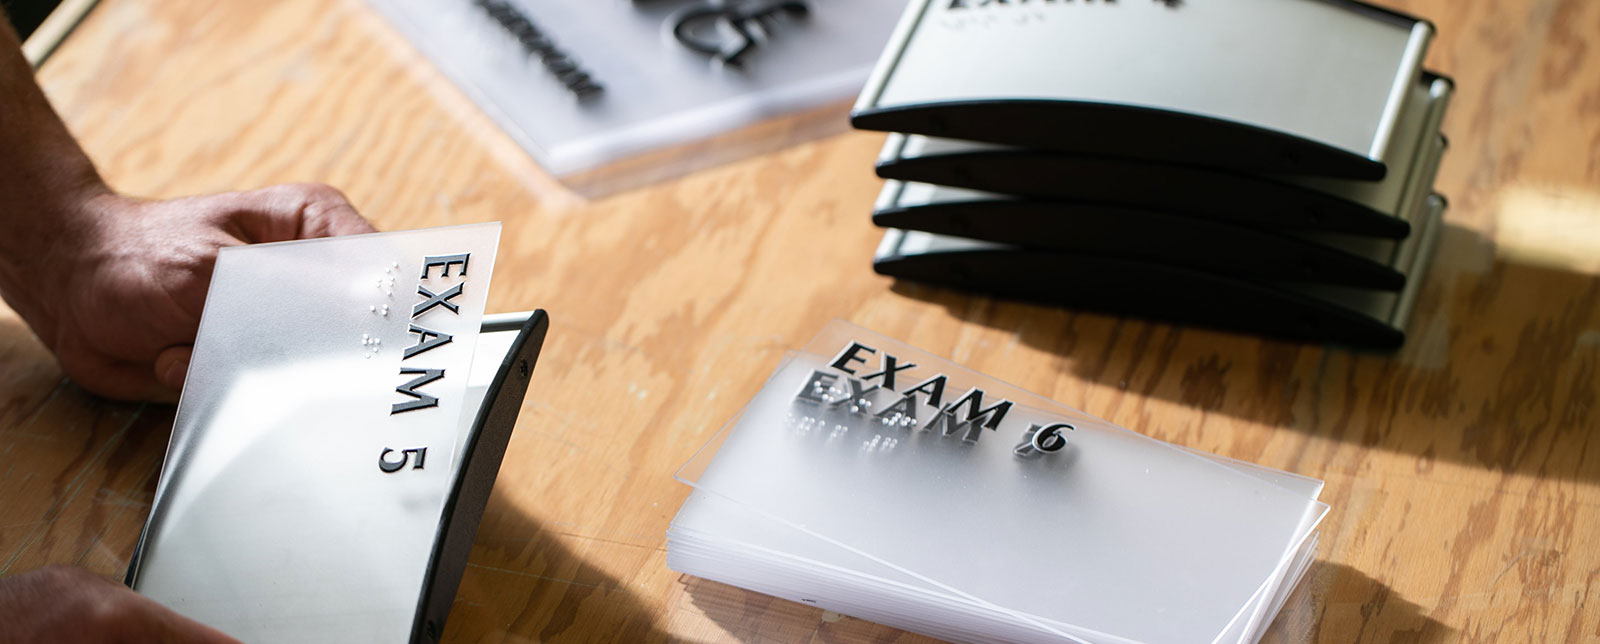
313	449
1334	73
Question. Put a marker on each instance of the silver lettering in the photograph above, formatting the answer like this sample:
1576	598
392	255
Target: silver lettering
819	384
948	423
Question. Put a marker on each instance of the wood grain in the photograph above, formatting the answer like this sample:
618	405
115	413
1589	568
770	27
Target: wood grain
1463	471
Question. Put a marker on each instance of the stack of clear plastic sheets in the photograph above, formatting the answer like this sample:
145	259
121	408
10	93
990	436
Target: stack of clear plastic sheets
879	481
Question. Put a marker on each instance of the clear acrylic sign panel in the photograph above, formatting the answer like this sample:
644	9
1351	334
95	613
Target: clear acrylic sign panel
657	93
766	553
1117	535
731	544
273	519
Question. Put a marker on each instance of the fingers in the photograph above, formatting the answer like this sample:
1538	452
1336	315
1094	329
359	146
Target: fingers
294	211
163	266
128	382
333	217
118	380
168	627
70	605
120	614
172	366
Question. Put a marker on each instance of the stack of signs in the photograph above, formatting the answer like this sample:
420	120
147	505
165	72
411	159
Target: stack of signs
1259	165
873	479
607	95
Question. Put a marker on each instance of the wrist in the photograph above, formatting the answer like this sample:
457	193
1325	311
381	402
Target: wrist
52	237
47	184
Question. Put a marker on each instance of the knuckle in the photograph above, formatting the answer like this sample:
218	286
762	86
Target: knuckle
302	195
111	612
77	361
95	600
61	578
321	194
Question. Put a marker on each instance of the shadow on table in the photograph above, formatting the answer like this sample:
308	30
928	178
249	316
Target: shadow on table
1500	354
523	584
76	471
1337	603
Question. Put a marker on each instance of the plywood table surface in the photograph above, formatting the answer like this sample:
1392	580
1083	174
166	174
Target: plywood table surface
1463	471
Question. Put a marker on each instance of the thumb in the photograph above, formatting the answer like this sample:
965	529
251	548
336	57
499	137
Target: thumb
173	628
172	366
161	624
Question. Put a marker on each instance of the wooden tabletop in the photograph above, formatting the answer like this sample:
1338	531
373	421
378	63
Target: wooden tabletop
1463	471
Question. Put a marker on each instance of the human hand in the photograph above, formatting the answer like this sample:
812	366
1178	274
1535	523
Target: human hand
117	293
114	285
71	606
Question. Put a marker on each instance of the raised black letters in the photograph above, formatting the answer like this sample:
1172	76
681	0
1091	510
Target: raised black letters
947	422
1040	440
444	262
437	299
391	467
426	340
423	400
934	387
887	370
842	362
974	401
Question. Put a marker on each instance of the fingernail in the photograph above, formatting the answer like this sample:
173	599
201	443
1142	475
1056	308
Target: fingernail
172	376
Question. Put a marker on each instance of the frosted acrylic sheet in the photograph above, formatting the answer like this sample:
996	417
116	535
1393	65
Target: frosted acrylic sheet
1115	534
657	93
720	540
274	519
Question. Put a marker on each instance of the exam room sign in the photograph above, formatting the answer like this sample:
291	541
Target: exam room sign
890	392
